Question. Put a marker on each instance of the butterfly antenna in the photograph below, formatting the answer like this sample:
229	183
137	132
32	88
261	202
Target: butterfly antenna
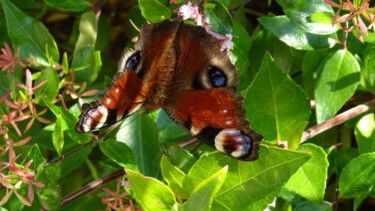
133	24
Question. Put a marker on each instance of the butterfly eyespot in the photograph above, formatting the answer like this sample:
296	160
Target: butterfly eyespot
134	61
217	77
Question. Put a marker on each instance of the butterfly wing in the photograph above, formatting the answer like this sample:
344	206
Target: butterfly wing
204	102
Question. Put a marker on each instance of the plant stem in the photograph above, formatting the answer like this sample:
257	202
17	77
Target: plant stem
92	186
339	119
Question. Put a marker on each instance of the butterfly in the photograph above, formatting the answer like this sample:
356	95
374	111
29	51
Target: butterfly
180	68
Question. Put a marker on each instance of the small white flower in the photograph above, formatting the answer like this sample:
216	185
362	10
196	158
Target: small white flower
228	44
188	11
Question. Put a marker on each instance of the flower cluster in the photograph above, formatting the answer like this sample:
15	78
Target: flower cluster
194	11
20	104
355	15
21	175
115	200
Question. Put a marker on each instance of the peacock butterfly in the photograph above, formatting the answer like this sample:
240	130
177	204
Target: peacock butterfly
180	68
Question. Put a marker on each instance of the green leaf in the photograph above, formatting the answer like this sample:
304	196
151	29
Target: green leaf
119	152
275	103
239	55
310	180
50	195
141	135
295	135
87	63
254	184
154	11
58	136
336	83
202	196
357	178
365	133
30	35
65	64
88	28
37	157
219	18
294	36
180	157
312	16
151	193
312	63
50	89
343	157
68	5
368	73
176	179
263	43
327	206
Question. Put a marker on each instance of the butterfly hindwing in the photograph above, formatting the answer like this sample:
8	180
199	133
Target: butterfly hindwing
216	117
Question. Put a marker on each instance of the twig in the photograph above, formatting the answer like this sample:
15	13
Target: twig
339	119
187	142
92	186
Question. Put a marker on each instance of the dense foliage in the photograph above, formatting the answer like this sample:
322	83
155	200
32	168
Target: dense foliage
306	74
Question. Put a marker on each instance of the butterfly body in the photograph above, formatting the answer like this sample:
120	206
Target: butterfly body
179	68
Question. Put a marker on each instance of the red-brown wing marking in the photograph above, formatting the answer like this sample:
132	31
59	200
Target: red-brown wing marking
119	100
217	118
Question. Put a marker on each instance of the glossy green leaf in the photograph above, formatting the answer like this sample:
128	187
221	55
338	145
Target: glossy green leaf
180	157
219	18
154	11
202	196
290	33
58	136
336	83
254	184
151	193
119	152
50	89
365	133
287	58
312	16
88	29
140	134
310	180
68	5
87	63
357	178
30	35
176	179
274	103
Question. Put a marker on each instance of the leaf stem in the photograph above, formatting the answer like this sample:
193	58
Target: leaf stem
339	119
92	186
